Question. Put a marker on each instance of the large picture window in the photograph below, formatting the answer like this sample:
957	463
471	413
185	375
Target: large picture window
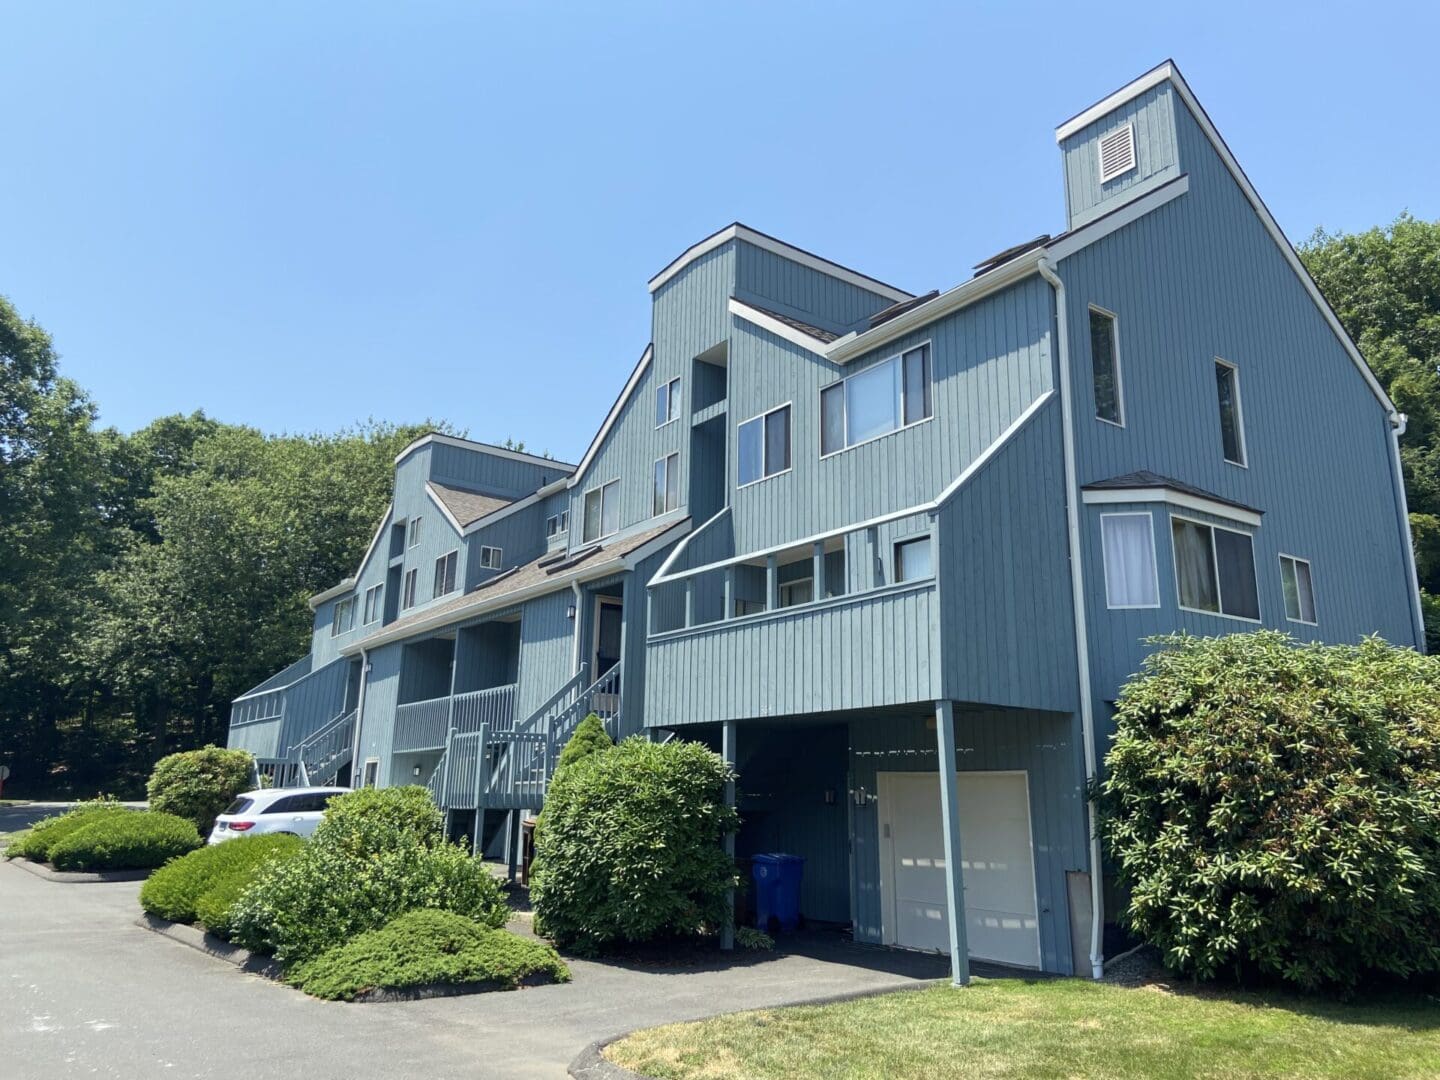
602	511
1130	573
1215	569
881	399
764	445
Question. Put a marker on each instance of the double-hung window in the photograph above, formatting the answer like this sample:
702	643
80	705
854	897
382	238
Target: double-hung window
1105	364
1299	589
557	523
1214	569
1232	426
407	594
373	596
764	445
1131	579
342	620
414	531
667	483
445	573
667	402
883	398
602	511
491	558
913	560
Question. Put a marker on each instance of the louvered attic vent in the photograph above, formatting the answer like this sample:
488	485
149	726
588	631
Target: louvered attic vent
1117	153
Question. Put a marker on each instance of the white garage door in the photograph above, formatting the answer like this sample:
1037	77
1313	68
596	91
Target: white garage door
998	865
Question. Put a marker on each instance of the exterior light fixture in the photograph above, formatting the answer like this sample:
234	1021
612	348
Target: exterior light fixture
570	611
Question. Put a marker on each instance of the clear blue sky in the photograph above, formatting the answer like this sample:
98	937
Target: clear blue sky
300	215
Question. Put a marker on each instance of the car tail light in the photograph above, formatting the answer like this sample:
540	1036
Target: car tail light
241	826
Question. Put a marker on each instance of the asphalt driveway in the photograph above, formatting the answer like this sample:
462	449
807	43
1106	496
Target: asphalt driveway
87	992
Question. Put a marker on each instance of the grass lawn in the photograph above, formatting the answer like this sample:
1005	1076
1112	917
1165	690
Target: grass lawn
1051	1028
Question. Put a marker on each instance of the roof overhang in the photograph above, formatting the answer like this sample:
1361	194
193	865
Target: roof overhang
614	414
330	594
776	247
1159	494
483	448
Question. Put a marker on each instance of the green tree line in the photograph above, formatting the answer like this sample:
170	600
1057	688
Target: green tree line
148	578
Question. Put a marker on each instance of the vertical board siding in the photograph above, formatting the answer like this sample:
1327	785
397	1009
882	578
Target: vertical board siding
377	722
1045	745
1316	438
547	644
1157	155
777	283
1006	614
490	472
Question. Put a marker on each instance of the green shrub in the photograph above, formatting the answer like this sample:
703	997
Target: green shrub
747	937
199	784
1275	810
210	879
376	854
139	840
588	738
36	844
423	948
631	846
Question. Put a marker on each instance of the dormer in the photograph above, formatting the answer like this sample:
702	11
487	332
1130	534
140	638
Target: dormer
1120	148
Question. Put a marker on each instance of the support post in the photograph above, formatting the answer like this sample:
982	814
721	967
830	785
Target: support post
727	751
817	586
689	601
480	786
772	582
950	817
513	856
729	601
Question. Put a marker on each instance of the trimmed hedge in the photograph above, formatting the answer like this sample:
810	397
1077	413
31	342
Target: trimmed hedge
36	844
631	846
139	840
203	885
376	854
1274	809
199	784
427	948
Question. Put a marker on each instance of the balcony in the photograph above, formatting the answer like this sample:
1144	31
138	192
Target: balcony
423	725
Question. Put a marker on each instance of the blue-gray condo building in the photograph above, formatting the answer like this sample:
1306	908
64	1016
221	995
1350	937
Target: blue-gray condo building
893	554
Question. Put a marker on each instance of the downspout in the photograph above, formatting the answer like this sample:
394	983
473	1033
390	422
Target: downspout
1082	643
359	719
1398	423
579	619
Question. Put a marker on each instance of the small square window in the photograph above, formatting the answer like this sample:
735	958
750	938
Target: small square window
912	560
491	558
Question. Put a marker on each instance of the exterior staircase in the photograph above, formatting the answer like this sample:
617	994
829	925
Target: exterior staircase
315	761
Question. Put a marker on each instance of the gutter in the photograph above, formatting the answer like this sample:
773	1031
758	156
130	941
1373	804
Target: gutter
1082	641
1398	422
332	592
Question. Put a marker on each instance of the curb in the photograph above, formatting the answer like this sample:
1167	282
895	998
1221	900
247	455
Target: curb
79	877
591	1063
211	946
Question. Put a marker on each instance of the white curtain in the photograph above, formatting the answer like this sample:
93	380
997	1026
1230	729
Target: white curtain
1129	561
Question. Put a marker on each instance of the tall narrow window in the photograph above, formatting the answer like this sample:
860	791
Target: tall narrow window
912	560
342	620
1130	576
764	445
1299	589
1215	569
667	483
602	511
1232	430
445	573
1105	362
667	402
373	596
415	530
407	594
885	397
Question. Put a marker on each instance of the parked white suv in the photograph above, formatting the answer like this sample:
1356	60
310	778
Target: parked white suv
274	810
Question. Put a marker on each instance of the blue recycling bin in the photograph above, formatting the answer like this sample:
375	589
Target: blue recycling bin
777	889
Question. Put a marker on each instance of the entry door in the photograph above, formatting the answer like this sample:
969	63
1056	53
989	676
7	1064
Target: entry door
998	868
609	626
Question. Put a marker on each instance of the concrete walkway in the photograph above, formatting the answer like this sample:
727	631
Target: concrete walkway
84	991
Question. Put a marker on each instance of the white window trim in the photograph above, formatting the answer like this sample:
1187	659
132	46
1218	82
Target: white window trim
664	498
453	553
365	772
493	563
1119	376
585	495
412	532
820	412
1244	462
761	416
406	592
1215	558
337	624
670	408
911	538
1315	602
1154	562
375	589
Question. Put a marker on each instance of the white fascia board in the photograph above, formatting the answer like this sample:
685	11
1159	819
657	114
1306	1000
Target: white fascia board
374	540
482	448
612	415
1154	77
1116	496
1169	71
967	474
765	321
775	247
330	594
1118	218
440	504
678	531
854	345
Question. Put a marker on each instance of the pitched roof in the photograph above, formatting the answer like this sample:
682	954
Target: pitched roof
1144	478
886	314
809	329
467	506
